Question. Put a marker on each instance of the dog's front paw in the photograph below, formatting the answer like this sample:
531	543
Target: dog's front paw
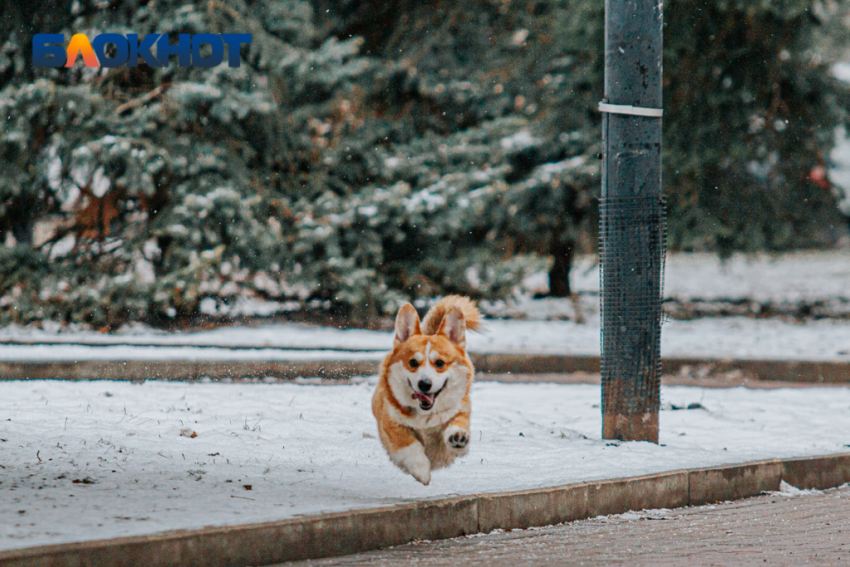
457	438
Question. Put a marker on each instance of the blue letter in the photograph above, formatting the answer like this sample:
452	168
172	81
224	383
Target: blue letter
233	41
40	50
142	50
183	49
99	44
217	45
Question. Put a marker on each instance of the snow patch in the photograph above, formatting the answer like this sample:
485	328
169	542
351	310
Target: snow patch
100	183
307	449
63	247
725	338
521	140
787	490
144	271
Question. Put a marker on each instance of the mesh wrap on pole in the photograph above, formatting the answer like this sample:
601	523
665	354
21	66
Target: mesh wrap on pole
631	306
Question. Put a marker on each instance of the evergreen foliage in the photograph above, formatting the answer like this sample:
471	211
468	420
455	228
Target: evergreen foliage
752	110
370	152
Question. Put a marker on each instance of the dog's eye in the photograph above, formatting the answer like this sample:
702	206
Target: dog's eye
414	363
439	364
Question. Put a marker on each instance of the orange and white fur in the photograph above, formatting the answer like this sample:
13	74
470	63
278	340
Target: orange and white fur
422	399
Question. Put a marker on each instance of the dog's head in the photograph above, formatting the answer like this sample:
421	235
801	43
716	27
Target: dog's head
430	372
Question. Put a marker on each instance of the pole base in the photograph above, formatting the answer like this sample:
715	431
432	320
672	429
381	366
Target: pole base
637	427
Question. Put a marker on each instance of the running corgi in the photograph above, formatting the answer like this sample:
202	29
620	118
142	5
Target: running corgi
422	399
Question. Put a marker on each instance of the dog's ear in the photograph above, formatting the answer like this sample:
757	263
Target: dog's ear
406	323
454	326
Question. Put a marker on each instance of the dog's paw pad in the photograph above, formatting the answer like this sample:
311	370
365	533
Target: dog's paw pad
459	439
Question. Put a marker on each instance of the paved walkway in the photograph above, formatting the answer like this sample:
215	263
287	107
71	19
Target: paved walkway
767	530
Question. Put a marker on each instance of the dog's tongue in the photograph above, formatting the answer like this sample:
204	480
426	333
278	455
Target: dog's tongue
427	398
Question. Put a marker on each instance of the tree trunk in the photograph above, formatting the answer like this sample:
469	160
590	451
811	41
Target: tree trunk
559	275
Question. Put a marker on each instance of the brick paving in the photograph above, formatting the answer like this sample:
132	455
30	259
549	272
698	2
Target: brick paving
766	530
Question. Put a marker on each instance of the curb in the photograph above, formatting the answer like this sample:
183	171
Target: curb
341	533
809	372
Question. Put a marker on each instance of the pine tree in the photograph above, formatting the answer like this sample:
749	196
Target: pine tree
752	108
367	153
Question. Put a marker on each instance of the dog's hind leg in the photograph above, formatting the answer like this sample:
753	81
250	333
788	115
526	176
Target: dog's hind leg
405	450
412	460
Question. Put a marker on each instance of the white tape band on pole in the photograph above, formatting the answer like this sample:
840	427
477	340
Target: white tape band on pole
629	109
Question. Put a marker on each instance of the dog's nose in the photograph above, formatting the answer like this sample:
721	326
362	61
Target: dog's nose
424	386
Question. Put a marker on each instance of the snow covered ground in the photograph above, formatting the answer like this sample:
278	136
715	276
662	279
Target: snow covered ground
730	337
793	277
88	460
820	280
